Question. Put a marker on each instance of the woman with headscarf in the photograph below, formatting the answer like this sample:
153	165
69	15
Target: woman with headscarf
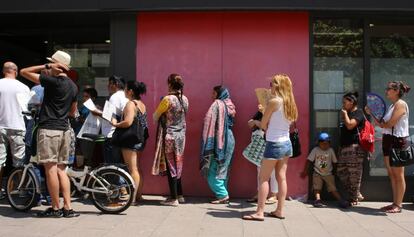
218	144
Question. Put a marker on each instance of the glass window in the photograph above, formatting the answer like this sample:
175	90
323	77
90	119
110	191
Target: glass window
391	59
90	67
337	68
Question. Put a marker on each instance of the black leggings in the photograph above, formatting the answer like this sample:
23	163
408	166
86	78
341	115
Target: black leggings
175	185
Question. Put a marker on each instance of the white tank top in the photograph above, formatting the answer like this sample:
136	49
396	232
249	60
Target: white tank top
278	129
401	129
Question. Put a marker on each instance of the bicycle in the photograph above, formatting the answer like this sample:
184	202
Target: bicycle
110	187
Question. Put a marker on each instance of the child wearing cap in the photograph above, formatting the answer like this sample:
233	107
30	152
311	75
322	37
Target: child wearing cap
323	159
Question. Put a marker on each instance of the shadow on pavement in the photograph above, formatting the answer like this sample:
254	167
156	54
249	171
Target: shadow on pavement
358	209
8	211
223	213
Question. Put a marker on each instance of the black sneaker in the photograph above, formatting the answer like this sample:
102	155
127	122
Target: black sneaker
50	212
318	203
69	213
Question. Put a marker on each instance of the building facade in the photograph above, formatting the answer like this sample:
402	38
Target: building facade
326	47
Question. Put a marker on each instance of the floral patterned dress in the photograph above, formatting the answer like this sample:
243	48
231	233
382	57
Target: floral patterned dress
170	136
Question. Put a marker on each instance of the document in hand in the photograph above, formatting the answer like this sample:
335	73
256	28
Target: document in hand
90	105
109	111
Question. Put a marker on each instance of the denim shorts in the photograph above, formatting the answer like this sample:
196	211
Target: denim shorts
277	150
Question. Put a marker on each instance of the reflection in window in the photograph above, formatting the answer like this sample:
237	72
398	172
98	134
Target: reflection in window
337	68
391	59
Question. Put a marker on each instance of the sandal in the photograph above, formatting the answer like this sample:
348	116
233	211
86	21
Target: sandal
394	209
384	208
271	200
221	201
273	214
353	203
251	200
252	217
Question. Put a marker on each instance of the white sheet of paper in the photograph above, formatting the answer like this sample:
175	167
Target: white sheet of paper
90	105
108	111
91	125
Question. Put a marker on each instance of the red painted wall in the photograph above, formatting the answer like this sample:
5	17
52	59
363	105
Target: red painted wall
240	49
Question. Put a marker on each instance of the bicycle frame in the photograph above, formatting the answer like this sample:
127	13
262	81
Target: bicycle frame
29	168
82	175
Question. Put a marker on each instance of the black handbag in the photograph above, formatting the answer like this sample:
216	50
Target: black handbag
128	137
294	139
400	157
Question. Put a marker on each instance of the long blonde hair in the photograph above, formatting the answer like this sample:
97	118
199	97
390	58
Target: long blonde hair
284	90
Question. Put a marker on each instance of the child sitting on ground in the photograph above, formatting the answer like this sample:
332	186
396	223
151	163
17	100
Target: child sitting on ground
323	158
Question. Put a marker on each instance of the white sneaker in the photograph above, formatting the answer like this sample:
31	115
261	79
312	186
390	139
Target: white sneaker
181	199
170	202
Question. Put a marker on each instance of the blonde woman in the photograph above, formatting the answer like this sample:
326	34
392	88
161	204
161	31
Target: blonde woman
280	112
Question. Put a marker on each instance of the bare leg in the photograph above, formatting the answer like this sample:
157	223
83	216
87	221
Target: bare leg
64	186
317	195
392	178
281	167
265	171
52	181
130	158
141	181
398	173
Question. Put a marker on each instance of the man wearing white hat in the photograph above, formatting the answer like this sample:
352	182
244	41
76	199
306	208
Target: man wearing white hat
54	139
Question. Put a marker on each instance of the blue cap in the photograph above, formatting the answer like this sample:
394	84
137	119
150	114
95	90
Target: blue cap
323	136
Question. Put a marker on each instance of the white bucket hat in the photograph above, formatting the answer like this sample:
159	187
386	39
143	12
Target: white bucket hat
60	57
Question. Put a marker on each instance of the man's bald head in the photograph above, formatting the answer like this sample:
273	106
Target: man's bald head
10	69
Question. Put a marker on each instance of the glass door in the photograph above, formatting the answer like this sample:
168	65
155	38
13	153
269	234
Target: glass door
391	59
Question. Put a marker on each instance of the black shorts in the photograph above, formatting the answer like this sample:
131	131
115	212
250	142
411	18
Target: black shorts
390	141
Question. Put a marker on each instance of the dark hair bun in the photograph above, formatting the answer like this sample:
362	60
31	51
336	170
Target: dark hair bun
138	88
176	82
356	94
405	87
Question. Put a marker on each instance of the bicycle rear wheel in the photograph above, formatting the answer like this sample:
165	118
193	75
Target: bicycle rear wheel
121	191
25	197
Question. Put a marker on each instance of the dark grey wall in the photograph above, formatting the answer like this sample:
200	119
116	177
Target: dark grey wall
123	45
141	5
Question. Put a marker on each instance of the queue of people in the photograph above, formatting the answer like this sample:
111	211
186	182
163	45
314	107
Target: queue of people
217	144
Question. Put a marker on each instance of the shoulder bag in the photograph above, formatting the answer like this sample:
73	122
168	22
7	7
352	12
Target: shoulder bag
294	139
400	157
127	137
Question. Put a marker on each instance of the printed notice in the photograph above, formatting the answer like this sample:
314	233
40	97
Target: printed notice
101	85
90	105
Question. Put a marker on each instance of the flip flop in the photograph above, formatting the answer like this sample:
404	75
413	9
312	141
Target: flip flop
273	215
220	201
252	217
271	200
251	200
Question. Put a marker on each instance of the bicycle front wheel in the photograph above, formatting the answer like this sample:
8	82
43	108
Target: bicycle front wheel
114	191
25	197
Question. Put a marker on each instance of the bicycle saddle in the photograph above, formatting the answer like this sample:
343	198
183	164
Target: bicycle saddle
94	136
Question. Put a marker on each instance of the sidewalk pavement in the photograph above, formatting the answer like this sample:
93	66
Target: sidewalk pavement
199	218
